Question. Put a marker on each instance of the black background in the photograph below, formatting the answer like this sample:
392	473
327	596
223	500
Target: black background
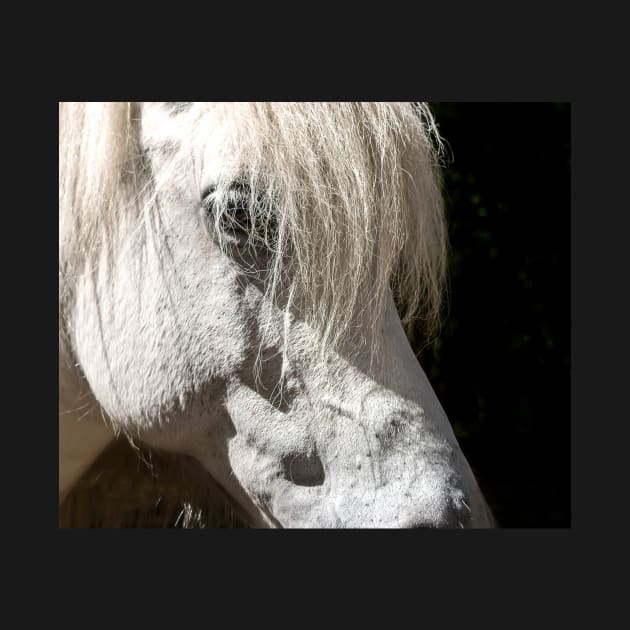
501	365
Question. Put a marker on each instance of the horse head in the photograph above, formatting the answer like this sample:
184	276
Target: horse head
230	275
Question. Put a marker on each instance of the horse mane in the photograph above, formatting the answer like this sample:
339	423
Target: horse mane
354	189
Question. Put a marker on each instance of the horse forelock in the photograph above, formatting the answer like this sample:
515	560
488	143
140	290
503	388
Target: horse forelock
354	187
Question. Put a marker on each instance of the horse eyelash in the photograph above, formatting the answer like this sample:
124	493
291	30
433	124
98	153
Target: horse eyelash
238	201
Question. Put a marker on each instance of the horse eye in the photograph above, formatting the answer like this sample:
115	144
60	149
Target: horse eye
233	214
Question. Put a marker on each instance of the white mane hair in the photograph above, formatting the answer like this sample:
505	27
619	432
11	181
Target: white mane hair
353	189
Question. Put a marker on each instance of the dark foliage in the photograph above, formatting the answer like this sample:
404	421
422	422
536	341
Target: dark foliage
501	366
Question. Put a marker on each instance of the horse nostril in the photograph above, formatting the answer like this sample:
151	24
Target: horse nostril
304	469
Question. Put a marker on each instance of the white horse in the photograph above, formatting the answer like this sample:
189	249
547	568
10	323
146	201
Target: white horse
227	277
